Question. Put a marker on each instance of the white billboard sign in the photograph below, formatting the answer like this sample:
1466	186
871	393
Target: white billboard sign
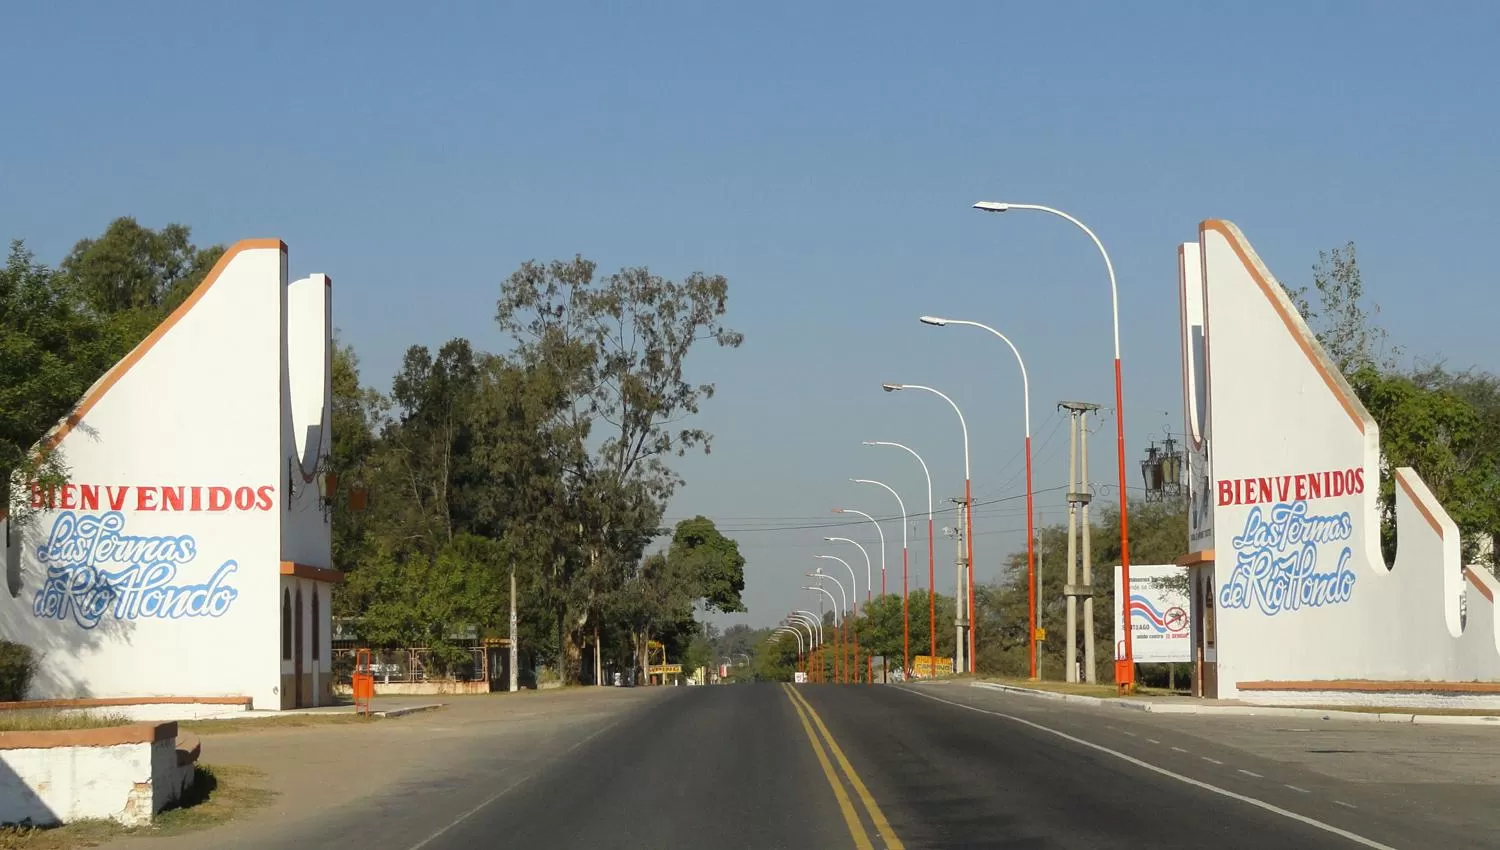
1159	618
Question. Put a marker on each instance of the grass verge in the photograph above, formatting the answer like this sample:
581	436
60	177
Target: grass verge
224	726
1081	688
53	720
220	793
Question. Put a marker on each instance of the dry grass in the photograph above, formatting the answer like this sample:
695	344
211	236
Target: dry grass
1106	690
226	726
54	720
219	795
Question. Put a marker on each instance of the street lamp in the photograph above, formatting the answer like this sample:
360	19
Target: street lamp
812	622
814	634
869	660
853	603
931	557
837	619
1128	671
968	502
905	620
1030	528
879	531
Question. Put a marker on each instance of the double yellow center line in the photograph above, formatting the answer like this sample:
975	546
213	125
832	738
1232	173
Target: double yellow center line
851	815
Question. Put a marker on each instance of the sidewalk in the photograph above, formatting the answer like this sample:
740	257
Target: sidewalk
1195	705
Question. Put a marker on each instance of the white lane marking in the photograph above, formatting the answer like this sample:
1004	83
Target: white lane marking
1251	773
1346	805
1131	734
1299	790
1211	761
1179	749
1187	780
509	788
1152	741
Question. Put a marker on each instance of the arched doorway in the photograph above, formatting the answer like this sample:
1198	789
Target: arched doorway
297	649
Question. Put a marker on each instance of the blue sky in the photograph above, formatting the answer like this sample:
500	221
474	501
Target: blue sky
823	157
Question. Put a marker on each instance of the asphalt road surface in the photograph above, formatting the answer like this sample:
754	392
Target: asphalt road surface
939	766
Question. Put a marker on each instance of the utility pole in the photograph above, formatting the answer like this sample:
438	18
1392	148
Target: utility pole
960	591
1089	673
514	682
1078	499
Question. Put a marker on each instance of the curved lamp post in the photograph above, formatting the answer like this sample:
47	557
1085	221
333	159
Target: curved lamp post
879	531
869	659
931	558
850	673
1030	510
968	505
1127	674
905	620
814	634
837	619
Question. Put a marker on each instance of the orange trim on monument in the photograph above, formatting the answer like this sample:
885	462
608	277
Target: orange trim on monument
58	432
1351	406
1193	559
307	571
1369	686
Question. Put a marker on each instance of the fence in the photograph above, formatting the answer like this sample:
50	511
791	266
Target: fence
412	670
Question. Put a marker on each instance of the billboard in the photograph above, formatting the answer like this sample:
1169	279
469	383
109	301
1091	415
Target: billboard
1159	618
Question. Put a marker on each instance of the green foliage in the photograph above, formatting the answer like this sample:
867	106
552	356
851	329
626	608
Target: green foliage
17	666
134	269
711	563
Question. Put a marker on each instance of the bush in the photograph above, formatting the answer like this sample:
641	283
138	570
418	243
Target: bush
17	664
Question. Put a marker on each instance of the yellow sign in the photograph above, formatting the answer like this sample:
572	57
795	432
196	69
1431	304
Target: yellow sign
927	667
1041	633
664	669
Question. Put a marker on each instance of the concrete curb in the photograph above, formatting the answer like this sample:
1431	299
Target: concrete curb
1033	692
1250	710
412	709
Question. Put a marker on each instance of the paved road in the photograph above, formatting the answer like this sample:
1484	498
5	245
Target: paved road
820	766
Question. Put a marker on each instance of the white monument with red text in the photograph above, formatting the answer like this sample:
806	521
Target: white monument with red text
1292	599
188	556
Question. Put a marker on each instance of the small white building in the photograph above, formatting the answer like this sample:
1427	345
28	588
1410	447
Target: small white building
1291	597
189	554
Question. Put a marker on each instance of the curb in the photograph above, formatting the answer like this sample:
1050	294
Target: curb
1033	692
402	712
1251	710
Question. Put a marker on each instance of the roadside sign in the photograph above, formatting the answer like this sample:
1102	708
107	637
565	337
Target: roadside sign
799	677
665	669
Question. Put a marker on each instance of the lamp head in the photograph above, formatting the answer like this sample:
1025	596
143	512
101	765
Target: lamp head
826	540
933	320
992	206
840	510
890	388
864	443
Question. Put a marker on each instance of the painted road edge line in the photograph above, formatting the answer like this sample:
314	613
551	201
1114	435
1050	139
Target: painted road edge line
851	817
1187	780
877	817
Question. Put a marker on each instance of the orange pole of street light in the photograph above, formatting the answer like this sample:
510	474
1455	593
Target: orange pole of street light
1125	665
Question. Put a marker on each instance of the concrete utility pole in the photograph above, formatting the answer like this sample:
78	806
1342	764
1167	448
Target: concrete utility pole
960	592
1077	499
1089	672
514	682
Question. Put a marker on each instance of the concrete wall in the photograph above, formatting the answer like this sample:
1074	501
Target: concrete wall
157	571
125	774
1301	589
